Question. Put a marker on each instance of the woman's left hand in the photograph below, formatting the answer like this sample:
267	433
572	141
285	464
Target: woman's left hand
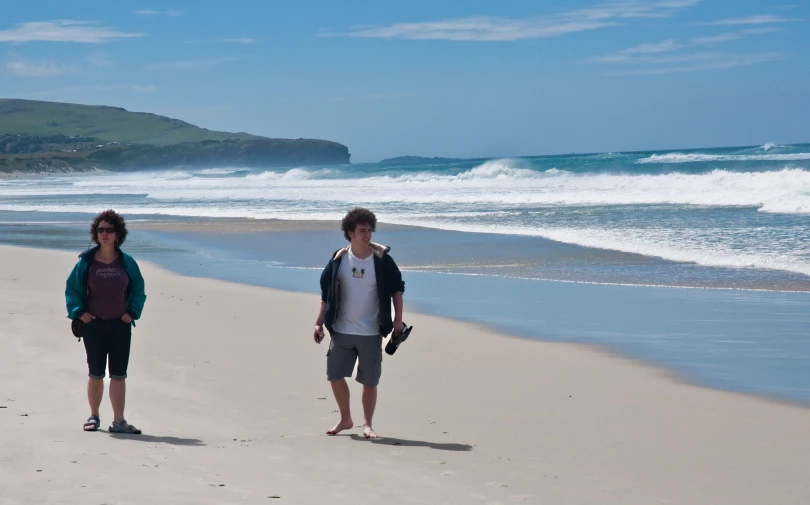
126	318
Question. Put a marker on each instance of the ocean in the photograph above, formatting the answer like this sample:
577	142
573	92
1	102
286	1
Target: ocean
697	260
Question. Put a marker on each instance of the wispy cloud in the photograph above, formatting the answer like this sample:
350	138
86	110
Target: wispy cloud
100	59
702	62
763	19
357	98
717	39
88	32
150	12
243	40
647	48
672	55
149	88
660	47
510	29
764	29
178	66
138	88
729	36
640	54
28	68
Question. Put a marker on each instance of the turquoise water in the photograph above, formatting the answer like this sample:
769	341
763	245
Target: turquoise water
741	209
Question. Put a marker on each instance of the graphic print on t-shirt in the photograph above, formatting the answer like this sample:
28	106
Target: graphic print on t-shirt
107	272
359	309
108	283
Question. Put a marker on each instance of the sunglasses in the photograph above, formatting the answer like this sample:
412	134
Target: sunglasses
105	230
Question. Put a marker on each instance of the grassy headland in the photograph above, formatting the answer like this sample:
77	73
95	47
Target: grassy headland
57	137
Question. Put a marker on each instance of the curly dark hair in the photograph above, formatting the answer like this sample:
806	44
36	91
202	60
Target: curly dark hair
116	220
358	215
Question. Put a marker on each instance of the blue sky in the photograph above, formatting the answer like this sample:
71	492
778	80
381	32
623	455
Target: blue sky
455	78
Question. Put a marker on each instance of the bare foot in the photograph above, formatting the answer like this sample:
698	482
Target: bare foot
343	425
368	432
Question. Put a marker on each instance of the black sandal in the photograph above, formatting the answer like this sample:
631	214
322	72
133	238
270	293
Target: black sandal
92	424
124	427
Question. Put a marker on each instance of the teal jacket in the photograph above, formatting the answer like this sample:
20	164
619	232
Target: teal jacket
76	289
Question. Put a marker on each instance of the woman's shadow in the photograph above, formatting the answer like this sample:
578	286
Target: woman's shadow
440	446
192	442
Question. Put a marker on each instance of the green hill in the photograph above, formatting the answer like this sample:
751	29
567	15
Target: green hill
37	137
111	124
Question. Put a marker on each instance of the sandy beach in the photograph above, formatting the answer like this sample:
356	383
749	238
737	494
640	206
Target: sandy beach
231	394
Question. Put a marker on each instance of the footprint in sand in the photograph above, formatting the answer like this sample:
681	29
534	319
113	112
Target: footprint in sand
520	497
496	484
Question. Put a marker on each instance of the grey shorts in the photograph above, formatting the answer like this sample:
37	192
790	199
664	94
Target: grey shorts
344	352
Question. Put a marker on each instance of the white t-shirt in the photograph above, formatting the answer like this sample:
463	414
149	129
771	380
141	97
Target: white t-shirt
359	306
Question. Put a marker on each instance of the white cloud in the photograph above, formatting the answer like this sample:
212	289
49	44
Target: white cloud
729	36
509	29
243	40
660	47
87	32
27	68
175	66
764	29
100	59
717	39
754	20
630	53
635	55
703	62
150	12
358	98
149	88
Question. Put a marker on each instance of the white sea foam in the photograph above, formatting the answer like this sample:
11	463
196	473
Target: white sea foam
183	211
782	191
679	247
218	171
499	196
700	157
674	245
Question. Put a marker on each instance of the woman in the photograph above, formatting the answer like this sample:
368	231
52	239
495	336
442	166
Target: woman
106	291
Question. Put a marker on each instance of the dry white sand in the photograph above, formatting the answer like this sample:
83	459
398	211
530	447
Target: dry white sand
231	394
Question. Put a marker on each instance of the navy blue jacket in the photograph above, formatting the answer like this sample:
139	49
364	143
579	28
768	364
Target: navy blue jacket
389	282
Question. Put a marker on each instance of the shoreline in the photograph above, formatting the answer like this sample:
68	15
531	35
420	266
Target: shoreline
547	266
227	226
690	332
466	414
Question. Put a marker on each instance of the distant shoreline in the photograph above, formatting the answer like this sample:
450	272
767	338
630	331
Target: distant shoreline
420	159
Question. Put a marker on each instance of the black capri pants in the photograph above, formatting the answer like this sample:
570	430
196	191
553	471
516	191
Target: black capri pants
107	337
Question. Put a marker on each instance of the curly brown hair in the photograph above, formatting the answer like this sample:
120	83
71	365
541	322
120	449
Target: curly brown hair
116	220
358	215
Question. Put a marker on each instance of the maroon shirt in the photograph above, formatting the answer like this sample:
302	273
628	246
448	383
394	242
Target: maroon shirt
108	285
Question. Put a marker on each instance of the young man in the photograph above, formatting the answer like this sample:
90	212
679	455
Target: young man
357	287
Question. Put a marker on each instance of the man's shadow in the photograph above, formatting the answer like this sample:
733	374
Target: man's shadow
192	442
414	443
